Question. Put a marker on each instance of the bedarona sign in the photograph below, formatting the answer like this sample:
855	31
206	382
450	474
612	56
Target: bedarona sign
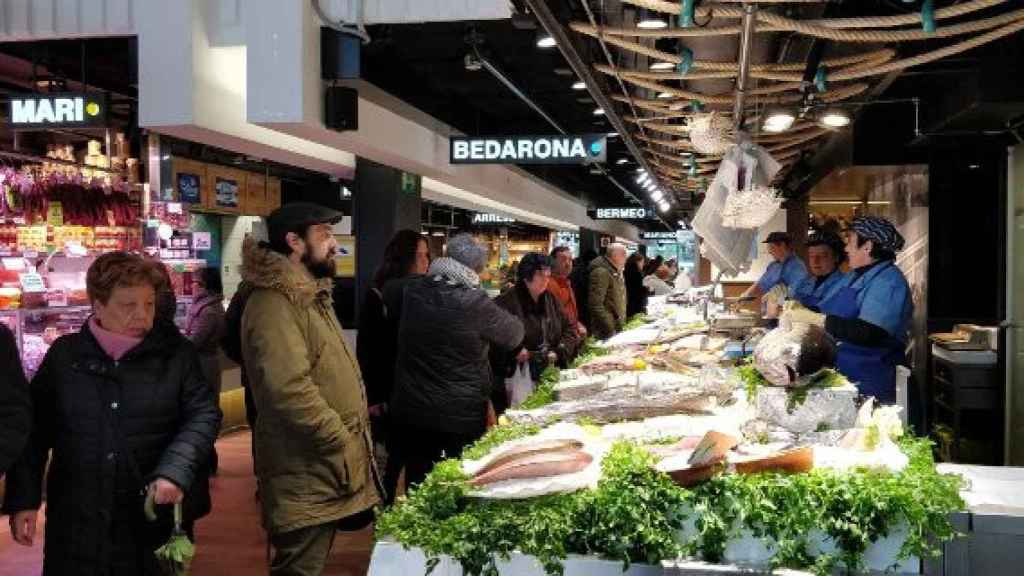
558	149
58	110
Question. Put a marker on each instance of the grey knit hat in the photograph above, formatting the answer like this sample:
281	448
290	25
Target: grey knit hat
464	249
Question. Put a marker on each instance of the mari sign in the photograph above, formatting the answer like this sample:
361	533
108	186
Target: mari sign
578	149
58	110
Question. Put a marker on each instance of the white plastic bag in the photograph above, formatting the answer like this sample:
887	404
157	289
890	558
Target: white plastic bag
519	386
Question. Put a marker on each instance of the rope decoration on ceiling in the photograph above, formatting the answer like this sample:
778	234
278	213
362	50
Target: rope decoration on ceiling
663	101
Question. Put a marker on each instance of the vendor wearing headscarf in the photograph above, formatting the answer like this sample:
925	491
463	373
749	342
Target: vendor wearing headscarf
870	313
825	252
785	273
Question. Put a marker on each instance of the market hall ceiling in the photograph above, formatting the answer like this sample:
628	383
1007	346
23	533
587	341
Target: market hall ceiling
804	55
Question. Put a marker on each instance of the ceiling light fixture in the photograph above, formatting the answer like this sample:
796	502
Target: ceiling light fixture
643	177
779	120
835	118
580	85
657	195
641	170
663	206
664	95
621	161
613	134
651	20
661	65
598	111
545	40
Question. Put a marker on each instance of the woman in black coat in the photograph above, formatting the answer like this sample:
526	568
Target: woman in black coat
124	408
548	336
636	293
15	409
406	256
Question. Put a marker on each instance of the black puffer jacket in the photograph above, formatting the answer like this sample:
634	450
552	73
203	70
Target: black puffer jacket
15	408
156	396
443	376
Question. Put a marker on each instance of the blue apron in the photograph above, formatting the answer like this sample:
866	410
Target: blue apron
872	369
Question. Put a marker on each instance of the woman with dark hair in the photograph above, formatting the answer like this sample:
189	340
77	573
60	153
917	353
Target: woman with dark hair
124	409
406	256
549	337
204	327
636	294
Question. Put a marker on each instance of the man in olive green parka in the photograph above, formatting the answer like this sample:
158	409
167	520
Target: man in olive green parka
607	296
313	451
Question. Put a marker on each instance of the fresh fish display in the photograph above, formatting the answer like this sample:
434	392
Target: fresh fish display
790	355
791	462
537	465
520	452
712	448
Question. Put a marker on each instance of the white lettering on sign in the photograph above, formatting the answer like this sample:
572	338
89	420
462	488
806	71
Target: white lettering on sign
525	149
47	110
481	218
621	213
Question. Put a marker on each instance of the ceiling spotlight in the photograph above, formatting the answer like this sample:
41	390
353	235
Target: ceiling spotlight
664	95
621	161
835	118
651	20
641	169
613	134
779	121
661	65
663	206
598	111
643	177
579	85
657	195
438	234
545	40
651	186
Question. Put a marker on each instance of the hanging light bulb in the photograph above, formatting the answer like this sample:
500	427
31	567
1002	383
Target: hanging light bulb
779	120
657	195
664	206
835	118
651	20
545	40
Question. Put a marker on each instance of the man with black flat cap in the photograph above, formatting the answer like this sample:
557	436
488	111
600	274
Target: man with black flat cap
314	457
870	313
782	275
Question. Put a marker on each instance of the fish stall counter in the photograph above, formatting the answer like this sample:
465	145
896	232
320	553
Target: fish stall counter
656	454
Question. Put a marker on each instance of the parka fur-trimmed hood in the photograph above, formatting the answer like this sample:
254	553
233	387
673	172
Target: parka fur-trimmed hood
265	268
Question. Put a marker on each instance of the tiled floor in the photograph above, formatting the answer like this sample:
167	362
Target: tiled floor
229	540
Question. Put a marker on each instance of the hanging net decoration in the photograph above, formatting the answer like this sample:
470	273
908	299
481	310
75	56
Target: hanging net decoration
711	133
750	208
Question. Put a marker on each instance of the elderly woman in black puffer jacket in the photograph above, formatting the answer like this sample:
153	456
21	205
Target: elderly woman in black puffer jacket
124	408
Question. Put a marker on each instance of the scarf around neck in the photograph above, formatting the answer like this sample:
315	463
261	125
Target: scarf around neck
454	272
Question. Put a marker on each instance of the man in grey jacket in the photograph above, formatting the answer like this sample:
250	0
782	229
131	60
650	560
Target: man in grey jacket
443	376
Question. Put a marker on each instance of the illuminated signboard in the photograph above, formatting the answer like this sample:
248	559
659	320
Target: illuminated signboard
559	149
58	110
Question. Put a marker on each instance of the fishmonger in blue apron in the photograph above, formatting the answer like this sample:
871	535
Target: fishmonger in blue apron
870	312
825	252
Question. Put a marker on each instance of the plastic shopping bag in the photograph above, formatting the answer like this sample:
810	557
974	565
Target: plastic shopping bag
519	386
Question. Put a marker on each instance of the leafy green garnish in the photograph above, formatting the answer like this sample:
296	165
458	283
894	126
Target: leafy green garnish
635	321
826	378
544	393
635	514
631	516
751	378
588	351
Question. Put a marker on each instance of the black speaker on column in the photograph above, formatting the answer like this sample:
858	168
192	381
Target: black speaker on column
341	108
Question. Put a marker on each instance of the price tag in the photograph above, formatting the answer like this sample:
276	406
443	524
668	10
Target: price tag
14	264
32	283
57	298
201	241
55	214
